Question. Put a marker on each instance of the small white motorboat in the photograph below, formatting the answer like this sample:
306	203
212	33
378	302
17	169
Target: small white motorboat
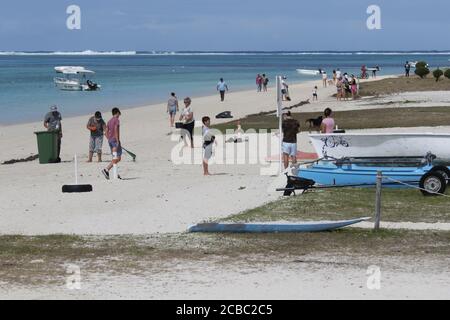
339	145
309	72
75	79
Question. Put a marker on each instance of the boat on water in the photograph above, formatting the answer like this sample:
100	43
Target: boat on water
75	79
340	145
309	72
359	172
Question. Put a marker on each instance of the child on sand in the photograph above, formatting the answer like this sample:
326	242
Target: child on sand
208	141
315	97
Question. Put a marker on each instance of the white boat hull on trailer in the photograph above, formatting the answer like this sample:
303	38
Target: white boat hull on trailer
341	145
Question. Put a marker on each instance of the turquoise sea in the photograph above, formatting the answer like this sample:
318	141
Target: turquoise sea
132	79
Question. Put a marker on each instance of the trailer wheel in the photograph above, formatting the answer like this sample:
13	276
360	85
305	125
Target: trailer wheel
433	183
444	171
79	188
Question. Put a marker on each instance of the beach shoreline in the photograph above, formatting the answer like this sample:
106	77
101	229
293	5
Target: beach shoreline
157	195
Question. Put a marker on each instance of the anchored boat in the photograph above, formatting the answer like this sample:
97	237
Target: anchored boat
75	79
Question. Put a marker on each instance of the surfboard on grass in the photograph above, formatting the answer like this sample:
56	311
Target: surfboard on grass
273	228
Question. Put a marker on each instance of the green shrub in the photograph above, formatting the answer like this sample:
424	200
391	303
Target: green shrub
421	64
447	73
422	72
437	74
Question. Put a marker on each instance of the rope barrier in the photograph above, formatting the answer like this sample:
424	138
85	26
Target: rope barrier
415	187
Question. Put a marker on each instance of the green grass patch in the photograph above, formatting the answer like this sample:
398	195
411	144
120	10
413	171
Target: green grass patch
355	119
401	84
347	203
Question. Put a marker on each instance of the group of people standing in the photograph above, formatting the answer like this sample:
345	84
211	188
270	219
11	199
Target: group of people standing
98	129
187	126
345	85
262	81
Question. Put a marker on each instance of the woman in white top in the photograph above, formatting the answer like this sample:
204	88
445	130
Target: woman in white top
324	79
187	117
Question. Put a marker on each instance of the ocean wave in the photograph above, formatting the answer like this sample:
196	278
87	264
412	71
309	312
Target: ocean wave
218	53
68	53
287	53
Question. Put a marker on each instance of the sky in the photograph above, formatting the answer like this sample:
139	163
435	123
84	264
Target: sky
225	25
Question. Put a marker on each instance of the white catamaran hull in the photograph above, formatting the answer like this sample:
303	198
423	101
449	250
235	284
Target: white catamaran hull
381	145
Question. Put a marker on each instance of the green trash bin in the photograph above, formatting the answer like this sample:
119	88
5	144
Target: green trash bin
47	146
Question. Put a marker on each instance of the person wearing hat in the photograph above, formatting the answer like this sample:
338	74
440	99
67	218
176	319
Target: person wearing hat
52	122
97	126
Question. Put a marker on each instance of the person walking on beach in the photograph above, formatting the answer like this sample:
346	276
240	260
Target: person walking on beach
265	82
113	135
208	142
328	122
52	122
259	82
97	127
407	69
222	88
172	108
324	79
291	128
187	117
315	97
334	77
285	89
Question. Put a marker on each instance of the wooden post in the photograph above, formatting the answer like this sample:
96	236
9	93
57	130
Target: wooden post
280	121
378	200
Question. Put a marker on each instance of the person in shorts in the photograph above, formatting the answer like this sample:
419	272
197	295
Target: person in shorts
113	136
208	142
315	96
291	128
97	127
172	108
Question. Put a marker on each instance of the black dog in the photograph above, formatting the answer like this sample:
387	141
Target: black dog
315	123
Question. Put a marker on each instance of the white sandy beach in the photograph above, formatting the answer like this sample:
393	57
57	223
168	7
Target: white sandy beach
156	196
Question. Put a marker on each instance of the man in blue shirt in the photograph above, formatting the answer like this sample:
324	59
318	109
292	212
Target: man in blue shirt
222	87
